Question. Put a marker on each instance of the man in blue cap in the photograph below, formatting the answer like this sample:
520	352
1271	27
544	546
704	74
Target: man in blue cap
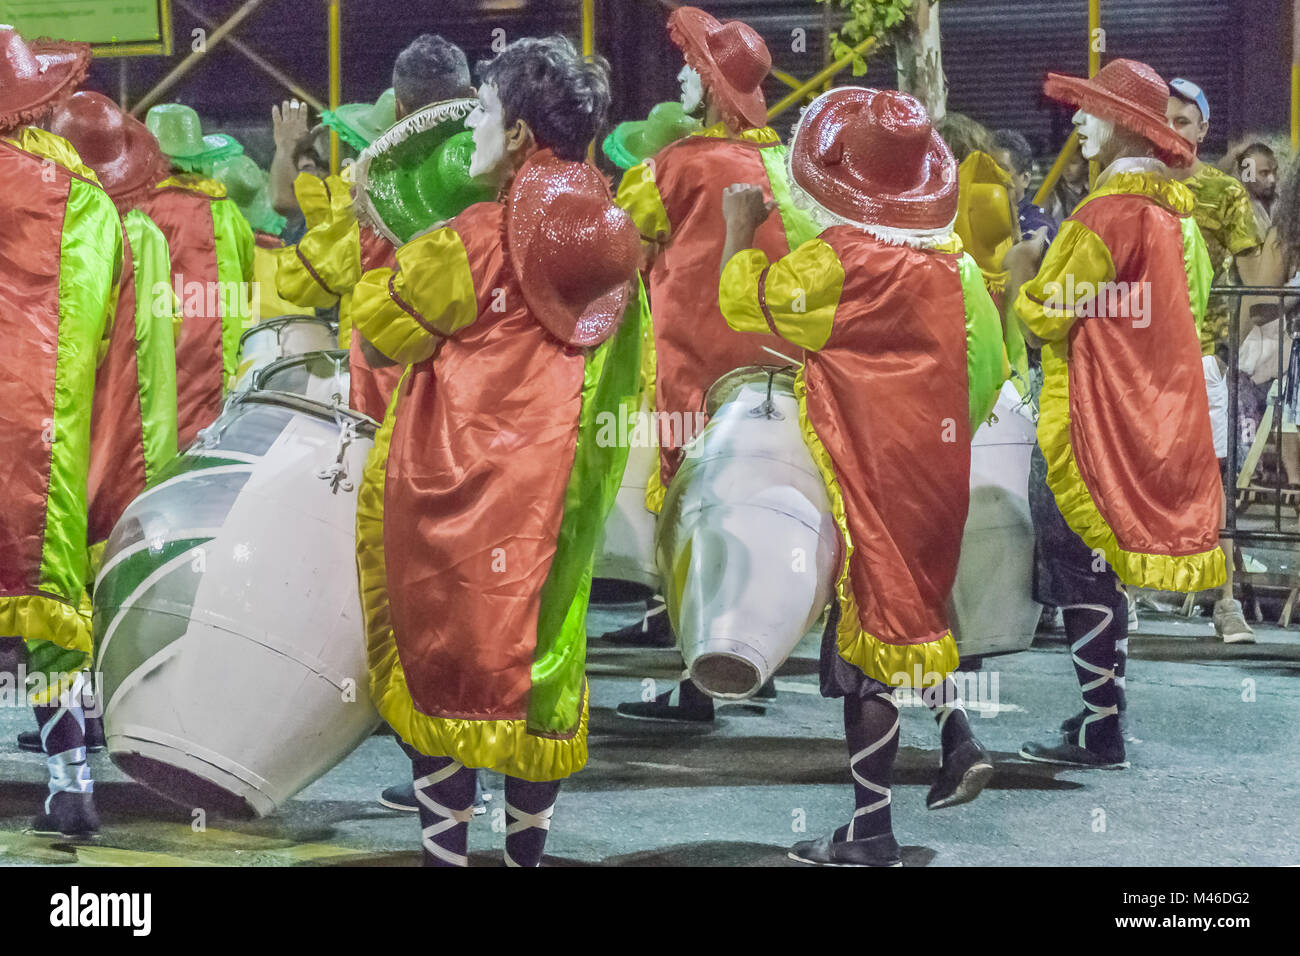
1227	221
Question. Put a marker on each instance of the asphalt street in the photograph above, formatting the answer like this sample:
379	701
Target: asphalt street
1214	780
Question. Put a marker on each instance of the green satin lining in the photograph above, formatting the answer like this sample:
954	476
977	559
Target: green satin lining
985	358
234	244
155	344
799	227
1200	271
611	384
90	263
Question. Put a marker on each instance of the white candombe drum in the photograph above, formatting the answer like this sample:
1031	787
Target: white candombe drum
626	550
747	547
993	610
281	337
228	627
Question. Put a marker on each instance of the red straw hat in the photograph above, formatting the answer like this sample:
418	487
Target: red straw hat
574	251
1129	94
119	148
873	157
36	75
730	57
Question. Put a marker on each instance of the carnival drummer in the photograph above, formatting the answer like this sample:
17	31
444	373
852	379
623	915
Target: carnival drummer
885	278
486	490
61	254
674	198
1124	485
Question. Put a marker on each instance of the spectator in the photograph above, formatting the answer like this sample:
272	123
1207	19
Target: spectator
1013	153
1256	168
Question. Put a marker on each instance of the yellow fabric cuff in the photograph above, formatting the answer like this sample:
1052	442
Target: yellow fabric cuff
1076	262
405	313
738	291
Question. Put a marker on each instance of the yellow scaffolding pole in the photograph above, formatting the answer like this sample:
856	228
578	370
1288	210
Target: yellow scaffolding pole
336	77
1094	64
588	51
1094	24
1054	174
1295	80
267	67
795	95
182	68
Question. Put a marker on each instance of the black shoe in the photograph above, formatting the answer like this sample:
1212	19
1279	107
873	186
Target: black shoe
653	630
30	740
1070	726
400	796
882	850
1071	755
962	775
690	707
70	815
767	691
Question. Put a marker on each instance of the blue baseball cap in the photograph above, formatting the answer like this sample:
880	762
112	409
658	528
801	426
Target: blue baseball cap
1189	91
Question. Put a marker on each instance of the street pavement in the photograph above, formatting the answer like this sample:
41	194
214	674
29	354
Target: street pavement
1215	776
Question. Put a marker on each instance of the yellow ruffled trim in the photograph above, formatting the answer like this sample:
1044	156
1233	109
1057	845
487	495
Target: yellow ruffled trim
195	183
762	135
506	746
892	664
1163	572
47	145
37	617
1170	193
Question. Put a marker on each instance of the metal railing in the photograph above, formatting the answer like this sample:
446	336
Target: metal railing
1277	397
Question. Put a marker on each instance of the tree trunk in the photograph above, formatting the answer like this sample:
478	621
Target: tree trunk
920	60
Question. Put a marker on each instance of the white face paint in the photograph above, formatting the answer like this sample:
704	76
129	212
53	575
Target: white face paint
1094	134
488	121
692	89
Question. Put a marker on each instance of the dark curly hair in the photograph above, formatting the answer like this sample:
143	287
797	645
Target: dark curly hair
429	71
562	97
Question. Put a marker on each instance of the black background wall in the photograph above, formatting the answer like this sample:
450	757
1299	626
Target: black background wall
995	52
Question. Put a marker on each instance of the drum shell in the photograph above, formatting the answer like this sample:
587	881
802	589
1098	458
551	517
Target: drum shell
747	548
626	548
277	338
230	644
993	610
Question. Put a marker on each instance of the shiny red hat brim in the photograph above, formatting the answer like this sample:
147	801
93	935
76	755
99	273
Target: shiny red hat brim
929	205
1083	94
66	66
688	29
524	213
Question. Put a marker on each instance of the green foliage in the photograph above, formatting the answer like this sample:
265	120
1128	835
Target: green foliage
883	20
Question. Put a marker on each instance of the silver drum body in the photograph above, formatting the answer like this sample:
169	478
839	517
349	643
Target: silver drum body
228	627
993	610
747	548
273	339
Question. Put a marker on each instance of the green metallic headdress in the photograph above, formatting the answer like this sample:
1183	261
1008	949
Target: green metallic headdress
635	141
360	124
247	185
180	134
417	174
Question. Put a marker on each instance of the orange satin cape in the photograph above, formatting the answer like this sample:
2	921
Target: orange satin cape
888	397
694	346
1124	422
201	229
